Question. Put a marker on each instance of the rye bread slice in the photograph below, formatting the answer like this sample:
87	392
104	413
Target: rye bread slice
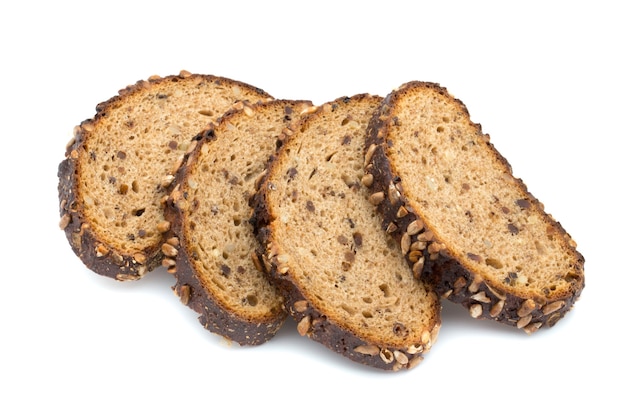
344	279
118	164
210	247
464	221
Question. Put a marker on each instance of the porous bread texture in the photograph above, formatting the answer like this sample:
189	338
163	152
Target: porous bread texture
118	165
344	279
211	247
491	246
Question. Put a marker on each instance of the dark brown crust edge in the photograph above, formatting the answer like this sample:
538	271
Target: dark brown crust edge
213	316
452	280
95	255
313	323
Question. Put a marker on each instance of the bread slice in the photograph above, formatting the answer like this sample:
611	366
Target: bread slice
117	166
211	247
344	279
450	196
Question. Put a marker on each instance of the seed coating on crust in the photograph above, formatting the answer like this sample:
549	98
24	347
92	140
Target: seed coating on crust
116	167
210	240
490	246
343	276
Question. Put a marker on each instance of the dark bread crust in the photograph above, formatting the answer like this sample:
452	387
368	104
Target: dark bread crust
82	239
317	326
312	322
454	279
213	316
98	256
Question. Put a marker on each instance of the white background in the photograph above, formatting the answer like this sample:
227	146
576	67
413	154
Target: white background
544	79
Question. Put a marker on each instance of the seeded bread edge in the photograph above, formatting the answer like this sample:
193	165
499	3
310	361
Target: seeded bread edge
97	256
452	279
317	326
213	316
313	323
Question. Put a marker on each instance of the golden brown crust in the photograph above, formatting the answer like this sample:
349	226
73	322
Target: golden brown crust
456	278
88	240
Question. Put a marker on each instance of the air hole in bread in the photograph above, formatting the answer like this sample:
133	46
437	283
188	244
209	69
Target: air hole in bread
494	263
249	177
135	186
350	310
367	314
138	212
252	300
541	249
385	289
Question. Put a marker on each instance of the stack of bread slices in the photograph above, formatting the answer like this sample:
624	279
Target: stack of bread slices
354	217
